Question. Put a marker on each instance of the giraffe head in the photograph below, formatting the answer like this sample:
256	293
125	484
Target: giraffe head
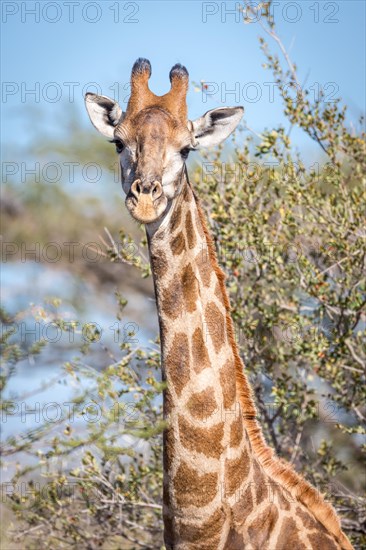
154	137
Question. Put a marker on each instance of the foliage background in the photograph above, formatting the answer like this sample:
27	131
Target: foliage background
289	235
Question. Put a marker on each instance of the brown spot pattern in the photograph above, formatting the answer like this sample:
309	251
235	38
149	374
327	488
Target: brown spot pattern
261	489
199	351
168	402
308	520
176	219
261	528
228	385
234	541
177	362
289	538
236	470
204	267
215	325
242	509
178	244
284	498
204	533
218	293
236	431
203	404
191	236
168	447
171	303
320	540
192	488
187	193
202	440
159	263
190	288
199	226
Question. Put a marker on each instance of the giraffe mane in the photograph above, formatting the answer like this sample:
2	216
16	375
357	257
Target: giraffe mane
279	470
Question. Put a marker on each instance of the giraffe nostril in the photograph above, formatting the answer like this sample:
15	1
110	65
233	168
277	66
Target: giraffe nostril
136	188
156	190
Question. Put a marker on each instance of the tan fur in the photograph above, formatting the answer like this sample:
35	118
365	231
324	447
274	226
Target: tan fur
265	488
279	470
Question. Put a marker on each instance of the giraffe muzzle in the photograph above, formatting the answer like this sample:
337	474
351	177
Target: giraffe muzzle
146	202
154	189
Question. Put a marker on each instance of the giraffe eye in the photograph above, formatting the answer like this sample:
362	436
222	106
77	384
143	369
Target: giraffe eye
185	152
119	145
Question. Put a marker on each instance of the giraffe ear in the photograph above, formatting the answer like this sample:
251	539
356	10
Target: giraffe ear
215	126
104	113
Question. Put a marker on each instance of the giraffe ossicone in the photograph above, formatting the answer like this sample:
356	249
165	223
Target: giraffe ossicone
223	487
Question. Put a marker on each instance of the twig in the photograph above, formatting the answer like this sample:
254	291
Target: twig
337	263
297	444
354	355
116	251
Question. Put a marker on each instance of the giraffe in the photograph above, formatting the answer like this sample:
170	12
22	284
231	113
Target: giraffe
223	486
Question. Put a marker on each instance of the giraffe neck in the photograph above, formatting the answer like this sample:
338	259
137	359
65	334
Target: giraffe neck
207	455
223	486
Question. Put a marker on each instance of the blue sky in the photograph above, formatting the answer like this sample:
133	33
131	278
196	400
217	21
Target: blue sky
325	39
